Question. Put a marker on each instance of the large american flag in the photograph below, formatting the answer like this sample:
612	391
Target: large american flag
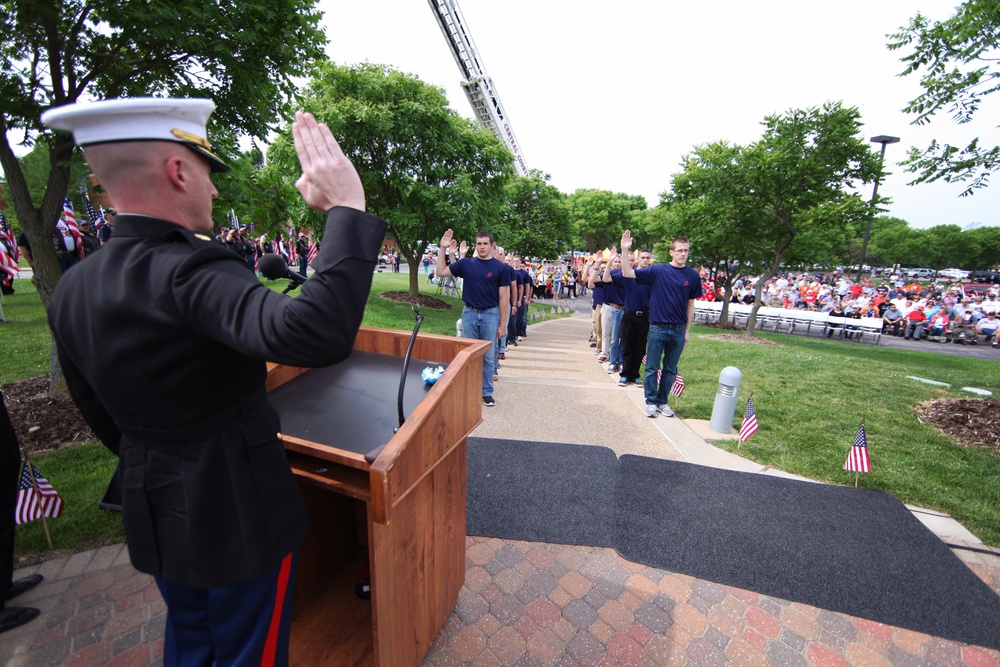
74	229
857	460
7	263
7	236
749	425
32	504
313	251
677	388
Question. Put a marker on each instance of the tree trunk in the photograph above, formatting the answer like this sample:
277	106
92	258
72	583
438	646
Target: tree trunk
39	224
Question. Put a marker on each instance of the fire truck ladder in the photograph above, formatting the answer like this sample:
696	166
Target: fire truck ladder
477	85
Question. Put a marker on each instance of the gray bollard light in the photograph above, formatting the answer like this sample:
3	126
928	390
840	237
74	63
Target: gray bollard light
725	400
458	328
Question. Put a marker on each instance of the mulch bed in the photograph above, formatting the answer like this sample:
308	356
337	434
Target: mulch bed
973	422
742	338
422	300
43	423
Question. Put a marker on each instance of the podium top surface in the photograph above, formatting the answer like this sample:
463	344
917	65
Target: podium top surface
352	405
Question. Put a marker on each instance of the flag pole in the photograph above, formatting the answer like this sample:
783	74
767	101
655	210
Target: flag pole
38	495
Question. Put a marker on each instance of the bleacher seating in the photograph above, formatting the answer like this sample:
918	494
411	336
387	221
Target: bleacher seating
786	320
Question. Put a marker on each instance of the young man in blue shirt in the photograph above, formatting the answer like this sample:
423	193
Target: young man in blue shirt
486	293
673	288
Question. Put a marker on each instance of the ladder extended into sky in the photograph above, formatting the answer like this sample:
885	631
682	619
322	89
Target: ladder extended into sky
477	84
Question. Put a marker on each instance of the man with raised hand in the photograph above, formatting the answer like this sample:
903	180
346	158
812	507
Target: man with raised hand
673	288
183	329
486	293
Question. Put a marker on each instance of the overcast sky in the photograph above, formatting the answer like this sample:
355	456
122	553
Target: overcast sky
612	95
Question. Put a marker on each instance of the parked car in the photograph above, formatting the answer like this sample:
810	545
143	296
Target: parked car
954	274
986	276
920	273
976	289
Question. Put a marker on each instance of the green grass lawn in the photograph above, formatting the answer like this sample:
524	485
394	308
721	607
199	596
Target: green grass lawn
80	473
810	396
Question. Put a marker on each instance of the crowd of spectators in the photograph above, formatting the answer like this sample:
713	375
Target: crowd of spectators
936	311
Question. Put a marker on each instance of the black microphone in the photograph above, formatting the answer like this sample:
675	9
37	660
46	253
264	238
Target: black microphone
274	267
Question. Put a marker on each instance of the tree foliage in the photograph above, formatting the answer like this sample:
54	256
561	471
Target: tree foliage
424	168
793	186
243	55
536	217
957	62
600	216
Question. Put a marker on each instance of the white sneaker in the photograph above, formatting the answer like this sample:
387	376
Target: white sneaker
650	410
665	410
612	368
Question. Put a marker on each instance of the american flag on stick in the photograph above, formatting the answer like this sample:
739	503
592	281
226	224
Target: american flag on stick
313	251
35	496
857	459
96	219
749	425
677	388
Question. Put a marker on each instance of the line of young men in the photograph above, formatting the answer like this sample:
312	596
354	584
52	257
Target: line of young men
496	291
644	312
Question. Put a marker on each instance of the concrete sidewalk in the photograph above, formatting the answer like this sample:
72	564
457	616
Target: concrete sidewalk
529	603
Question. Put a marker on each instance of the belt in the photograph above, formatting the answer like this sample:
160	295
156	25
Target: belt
474	308
615	305
638	313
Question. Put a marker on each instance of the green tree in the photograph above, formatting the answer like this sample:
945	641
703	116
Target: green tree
985	245
782	197
600	216
945	247
536	217
243	55
424	168
958	67
893	242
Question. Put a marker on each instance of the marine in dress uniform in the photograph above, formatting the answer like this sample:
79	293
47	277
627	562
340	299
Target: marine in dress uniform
163	337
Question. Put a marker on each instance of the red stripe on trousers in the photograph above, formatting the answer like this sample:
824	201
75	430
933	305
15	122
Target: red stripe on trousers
271	645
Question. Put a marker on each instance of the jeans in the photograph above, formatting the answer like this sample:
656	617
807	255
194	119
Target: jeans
522	319
666	342
615	355
483	325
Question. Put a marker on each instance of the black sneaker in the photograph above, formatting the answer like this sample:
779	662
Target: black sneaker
488	401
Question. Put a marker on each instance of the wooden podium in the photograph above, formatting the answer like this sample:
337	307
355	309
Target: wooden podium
391	504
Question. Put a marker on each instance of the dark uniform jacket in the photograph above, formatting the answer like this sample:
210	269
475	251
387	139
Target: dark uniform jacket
163	337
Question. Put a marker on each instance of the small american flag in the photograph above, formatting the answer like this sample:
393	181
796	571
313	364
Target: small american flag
33	505
313	251
857	460
749	425
677	388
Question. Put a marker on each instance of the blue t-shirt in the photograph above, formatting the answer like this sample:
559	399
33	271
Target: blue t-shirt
636	295
483	280
613	292
670	289
598	293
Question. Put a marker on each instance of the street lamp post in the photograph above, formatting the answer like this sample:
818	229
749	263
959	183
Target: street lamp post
880	139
